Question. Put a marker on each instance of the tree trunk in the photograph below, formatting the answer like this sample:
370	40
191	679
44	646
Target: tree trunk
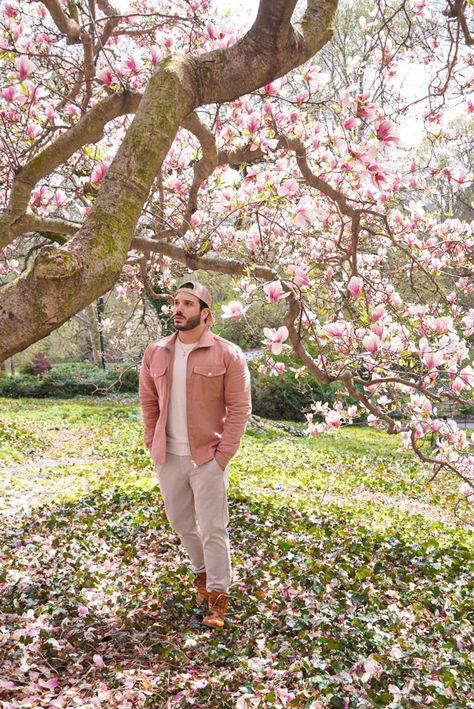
66	279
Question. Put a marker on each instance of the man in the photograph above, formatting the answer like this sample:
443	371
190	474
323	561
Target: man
195	398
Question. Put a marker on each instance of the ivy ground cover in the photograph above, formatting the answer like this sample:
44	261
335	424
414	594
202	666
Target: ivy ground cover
353	574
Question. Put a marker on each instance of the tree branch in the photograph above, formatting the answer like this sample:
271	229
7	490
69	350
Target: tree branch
204	167
292	314
263	54
231	267
40	299
68	27
89	129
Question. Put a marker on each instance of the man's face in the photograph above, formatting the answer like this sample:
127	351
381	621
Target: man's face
186	312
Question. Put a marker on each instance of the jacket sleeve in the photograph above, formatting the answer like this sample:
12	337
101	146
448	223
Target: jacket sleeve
148	398
238	404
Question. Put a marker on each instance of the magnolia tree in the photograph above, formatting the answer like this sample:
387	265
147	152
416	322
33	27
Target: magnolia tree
136	140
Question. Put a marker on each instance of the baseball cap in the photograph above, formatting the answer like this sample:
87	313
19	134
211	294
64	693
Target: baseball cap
200	292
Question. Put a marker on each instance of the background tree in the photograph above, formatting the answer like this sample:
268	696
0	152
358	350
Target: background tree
239	162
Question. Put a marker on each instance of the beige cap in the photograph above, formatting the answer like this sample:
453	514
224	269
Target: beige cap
200	292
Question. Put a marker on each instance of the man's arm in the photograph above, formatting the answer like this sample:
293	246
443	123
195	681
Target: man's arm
238	402
148	398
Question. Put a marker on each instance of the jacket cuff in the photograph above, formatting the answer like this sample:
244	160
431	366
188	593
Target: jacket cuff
221	460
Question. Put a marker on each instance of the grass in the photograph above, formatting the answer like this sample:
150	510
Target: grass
353	575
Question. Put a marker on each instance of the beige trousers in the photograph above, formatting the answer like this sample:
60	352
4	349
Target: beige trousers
195	498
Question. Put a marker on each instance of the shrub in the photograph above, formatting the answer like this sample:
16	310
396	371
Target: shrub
69	380
20	386
285	397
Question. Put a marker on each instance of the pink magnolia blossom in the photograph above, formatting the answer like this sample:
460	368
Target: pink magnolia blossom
274	291
121	291
333	419
98	173
305	212
11	9
467	375
428	356
385	132
378	328
272	89
197	218
9	93
211	30
441	324
378	313
288	189
302	96
336	329
365	109
253	122
467	490
60	197
33	131
105	75
299	275
458	385
234	309
371	343
460	176
351	122
276	338
25	67
252	238
266	146
156	55
355	286
133	63
279	367
40	197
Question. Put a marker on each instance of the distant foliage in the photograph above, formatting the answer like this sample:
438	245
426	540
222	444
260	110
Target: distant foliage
69	380
39	365
286	397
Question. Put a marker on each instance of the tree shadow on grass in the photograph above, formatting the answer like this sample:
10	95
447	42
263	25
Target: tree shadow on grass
98	595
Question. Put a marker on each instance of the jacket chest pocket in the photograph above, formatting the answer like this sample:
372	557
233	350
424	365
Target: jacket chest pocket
159	379
208	381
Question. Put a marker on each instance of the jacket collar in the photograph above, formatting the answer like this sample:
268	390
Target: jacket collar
207	339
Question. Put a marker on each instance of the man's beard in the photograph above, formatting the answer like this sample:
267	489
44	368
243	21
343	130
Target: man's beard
188	323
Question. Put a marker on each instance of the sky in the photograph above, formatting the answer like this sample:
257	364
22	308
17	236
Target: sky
243	12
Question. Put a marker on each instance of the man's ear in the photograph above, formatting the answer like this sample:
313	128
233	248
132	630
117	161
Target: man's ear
205	312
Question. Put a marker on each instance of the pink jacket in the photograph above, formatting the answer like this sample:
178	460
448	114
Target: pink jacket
218	397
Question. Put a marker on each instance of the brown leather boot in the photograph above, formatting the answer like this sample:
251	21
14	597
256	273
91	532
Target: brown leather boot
200	583
218	602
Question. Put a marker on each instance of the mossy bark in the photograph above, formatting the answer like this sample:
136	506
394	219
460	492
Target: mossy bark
65	279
